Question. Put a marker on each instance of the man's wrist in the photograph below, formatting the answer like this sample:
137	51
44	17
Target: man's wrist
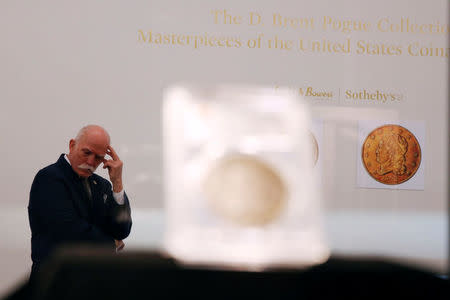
119	197
117	186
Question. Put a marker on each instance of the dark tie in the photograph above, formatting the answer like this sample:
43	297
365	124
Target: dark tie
87	189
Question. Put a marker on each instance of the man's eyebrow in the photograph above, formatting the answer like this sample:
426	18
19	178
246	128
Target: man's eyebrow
90	151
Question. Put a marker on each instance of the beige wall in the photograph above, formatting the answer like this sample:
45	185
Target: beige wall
68	64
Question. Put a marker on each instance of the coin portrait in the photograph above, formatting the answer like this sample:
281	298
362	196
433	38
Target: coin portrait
391	154
245	190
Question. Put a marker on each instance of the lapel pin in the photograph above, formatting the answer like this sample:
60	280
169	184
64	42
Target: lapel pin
104	198
95	182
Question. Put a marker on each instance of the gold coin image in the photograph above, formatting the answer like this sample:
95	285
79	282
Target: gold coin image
391	154
245	190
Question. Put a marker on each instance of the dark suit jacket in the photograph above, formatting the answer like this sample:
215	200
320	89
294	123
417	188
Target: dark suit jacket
60	211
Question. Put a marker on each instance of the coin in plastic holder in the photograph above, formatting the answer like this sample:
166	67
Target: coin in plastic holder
237	178
245	190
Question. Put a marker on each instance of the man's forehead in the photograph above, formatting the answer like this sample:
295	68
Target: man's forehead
101	151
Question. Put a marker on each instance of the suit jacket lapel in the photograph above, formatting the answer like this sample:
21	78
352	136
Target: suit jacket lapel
80	200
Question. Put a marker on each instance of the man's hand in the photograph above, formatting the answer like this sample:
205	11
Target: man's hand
114	166
119	245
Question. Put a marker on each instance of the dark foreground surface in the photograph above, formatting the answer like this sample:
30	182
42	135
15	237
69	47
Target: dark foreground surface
88	273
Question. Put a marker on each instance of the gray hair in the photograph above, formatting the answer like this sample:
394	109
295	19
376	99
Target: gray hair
83	131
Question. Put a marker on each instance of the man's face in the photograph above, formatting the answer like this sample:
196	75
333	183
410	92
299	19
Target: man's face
86	155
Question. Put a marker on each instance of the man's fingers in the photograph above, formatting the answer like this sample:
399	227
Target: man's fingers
111	163
113	153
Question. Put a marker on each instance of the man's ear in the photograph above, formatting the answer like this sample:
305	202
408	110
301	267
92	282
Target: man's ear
71	145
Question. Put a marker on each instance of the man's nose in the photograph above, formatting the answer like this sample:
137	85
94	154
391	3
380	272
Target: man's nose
91	160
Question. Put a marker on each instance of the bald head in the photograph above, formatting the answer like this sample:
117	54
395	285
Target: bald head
88	149
93	131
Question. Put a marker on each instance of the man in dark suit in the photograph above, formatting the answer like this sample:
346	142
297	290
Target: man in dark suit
70	204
